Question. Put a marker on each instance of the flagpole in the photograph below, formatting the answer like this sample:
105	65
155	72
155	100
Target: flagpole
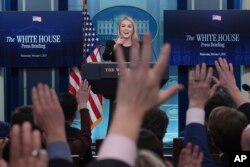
85	9
84	4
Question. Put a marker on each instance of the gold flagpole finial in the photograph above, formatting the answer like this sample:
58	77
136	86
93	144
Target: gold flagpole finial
84	4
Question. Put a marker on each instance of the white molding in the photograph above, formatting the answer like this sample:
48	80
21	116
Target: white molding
52	5
23	5
192	5
221	4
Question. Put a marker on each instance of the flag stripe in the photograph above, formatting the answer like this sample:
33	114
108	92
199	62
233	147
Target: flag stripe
75	78
91	113
100	98
98	101
94	107
72	89
97	52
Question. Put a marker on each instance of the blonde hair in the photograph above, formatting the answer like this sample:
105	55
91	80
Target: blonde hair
134	35
146	158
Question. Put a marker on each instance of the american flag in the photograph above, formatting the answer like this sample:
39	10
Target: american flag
37	19
216	17
91	51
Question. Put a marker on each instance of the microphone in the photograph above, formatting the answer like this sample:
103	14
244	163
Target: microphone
246	87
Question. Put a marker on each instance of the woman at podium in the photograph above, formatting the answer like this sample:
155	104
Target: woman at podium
126	33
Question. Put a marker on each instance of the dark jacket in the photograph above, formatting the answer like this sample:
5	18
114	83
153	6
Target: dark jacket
80	140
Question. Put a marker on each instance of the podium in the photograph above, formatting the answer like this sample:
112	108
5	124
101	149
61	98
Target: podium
103	77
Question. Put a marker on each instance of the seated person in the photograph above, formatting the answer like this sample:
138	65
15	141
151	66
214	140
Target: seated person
148	141
79	140
226	125
19	116
156	121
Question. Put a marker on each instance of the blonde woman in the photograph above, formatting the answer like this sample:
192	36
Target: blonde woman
126	33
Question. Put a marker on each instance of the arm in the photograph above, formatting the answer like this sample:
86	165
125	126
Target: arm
143	95
85	124
109	53
227	81
190	156
82	96
49	117
199	92
25	148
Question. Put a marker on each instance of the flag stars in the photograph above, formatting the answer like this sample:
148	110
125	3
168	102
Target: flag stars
89	35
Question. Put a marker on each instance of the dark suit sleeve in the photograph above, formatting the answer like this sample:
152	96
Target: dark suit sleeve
85	133
245	109
80	140
85	122
196	134
109	53
108	163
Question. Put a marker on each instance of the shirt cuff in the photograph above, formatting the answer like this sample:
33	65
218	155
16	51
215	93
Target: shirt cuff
119	148
195	115
59	149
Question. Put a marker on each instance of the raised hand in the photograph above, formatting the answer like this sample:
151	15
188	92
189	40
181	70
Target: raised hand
119	41
190	156
199	90
227	81
48	113
25	148
226	74
82	95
